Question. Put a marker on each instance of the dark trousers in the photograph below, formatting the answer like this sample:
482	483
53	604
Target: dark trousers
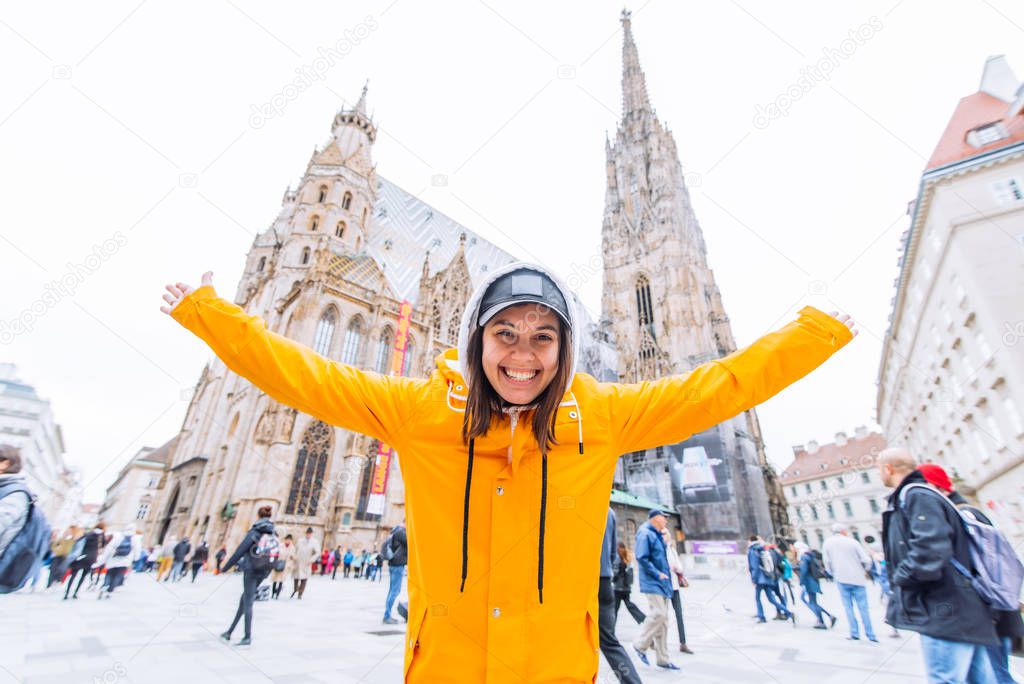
115	578
80	569
57	568
677	606
634	610
299	587
348	569
196	567
771	591
275	589
334	572
811	599
613	651
250	581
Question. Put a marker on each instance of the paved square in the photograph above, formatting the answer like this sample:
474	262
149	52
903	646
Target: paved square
151	632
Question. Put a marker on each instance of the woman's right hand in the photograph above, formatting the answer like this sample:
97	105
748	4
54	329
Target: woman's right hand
179	291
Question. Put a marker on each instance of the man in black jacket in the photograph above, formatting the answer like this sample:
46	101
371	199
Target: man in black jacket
396	551
181	550
922	533
251	575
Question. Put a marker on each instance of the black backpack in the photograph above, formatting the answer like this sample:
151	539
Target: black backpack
124	548
27	548
817	566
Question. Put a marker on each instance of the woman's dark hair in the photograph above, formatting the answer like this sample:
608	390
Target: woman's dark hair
264	511
623	552
287	537
12	455
483	404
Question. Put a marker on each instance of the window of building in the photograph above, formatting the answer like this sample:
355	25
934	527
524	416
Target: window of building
987	134
807	487
820	536
986	351
353	339
384	344
841	482
831	511
1013	416
310	469
410	351
365	484
339	230
994	432
1008	190
814	512
346	201
803	536
143	511
325	332
323	194
645	312
346	518
800	514
314	223
865	477
855	534
793	489
262	264
873	502
847	509
824	485
305	255
154	480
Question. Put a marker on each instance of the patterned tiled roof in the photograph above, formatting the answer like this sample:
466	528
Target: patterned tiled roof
408	228
857	453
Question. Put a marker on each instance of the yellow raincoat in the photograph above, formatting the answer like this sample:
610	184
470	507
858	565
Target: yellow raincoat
498	629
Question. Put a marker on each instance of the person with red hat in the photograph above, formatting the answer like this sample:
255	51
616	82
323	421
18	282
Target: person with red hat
1009	625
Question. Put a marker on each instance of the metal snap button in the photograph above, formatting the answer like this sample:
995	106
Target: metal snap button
496	612
500	491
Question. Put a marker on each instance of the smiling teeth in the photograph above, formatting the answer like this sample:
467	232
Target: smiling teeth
520	375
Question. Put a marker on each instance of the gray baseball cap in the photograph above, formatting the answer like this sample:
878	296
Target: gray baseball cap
522	286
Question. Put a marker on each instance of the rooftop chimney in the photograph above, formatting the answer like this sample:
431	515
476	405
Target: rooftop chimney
812	446
860	432
798	449
998	79
840	439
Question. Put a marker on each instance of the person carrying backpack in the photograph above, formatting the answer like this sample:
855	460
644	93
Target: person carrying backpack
491	443
396	552
257	555
117	557
761	567
811	572
922	536
24	532
1009	625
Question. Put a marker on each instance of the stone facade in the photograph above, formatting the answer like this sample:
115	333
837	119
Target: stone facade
951	380
665	313
129	499
332	272
837	483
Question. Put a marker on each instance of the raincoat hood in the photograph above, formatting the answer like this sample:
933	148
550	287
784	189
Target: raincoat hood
471	315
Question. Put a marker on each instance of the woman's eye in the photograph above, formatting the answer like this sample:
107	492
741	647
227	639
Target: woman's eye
545	338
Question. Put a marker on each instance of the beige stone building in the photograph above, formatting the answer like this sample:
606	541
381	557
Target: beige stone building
836	483
332	271
664	310
951	381
131	496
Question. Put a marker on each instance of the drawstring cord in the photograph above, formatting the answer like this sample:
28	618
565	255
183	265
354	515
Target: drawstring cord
465	518
543	512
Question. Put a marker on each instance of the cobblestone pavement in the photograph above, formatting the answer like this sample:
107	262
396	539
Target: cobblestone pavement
151	632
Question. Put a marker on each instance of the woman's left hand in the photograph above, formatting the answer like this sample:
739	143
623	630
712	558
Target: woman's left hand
846	320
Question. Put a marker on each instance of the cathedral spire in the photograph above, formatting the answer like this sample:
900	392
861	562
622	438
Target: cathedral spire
361	105
634	85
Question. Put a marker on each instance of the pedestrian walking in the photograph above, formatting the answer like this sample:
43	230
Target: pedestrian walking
325	558
59	551
378	571
785	575
622	581
655	584
396	551
199	558
166	558
1009	625
811	573
178	555
679	582
85	556
922	535
286	563
222	552
514	368
848	564
762	569
256	556
24	531
117	558
306	553
335	562
347	560
612	649
357	565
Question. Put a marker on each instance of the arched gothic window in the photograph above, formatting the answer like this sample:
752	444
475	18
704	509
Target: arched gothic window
262	264
410	350
435	321
645	312
346	201
453	328
323	194
339	230
310	469
353	338
325	332
365	482
314	223
384	346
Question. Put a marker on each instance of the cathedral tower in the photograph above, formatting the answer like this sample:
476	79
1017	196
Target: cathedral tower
664	308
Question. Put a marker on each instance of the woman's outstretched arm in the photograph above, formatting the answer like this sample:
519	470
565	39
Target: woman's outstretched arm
667	411
290	372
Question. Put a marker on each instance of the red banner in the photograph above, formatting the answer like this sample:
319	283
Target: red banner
382	463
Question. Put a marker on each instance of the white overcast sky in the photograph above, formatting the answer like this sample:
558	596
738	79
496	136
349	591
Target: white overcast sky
135	118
